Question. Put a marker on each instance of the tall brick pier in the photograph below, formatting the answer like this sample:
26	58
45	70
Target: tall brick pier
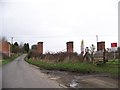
100	46
70	47
40	48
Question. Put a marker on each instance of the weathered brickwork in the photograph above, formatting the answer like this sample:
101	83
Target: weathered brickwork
40	47
70	47
5	48
100	46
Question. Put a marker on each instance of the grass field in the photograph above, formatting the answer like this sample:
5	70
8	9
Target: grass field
110	67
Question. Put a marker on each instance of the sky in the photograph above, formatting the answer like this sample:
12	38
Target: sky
55	22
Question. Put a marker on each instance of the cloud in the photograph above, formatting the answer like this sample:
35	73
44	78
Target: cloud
59	21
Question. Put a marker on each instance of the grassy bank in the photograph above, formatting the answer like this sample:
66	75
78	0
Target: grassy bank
7	60
77	67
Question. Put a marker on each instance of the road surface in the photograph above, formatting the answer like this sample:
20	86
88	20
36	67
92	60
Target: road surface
20	74
0	77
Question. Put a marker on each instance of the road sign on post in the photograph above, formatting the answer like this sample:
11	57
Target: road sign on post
114	48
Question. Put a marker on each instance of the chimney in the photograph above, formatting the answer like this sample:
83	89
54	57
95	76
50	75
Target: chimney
70	47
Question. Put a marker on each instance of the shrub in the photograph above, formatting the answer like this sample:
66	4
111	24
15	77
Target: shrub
56	57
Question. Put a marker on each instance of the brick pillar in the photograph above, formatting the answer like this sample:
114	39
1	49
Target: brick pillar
40	47
70	47
5	47
100	46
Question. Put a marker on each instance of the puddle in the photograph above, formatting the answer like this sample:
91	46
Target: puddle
73	84
67	78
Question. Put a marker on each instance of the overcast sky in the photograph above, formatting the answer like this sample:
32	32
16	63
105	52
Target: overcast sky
56	22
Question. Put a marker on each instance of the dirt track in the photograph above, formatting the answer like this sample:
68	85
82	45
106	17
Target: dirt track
77	80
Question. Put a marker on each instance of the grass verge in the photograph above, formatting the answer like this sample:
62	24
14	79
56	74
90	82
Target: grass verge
77	67
7	60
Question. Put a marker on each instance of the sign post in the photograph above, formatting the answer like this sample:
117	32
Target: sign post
82	47
114	48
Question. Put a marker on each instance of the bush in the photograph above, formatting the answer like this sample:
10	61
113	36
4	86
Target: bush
4	56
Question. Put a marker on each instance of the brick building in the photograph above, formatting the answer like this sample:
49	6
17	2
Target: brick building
5	47
69	47
100	46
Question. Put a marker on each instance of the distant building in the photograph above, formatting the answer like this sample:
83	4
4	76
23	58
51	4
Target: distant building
5	47
34	47
70	47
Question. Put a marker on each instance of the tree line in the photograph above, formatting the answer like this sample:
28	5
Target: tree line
16	48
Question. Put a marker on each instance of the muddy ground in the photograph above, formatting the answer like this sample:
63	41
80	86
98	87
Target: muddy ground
78	80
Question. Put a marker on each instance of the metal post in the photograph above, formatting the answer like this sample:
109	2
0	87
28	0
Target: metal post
11	44
96	38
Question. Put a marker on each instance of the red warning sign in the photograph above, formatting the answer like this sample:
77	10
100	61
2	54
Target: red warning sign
113	44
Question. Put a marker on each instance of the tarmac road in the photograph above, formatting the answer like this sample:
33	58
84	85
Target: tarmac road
20	74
